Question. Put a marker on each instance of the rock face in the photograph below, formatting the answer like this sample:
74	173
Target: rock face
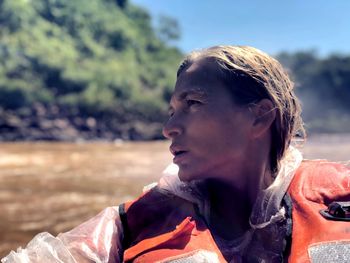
50	123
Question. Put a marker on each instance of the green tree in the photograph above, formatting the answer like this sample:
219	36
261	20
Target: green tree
323	85
168	29
66	47
95	58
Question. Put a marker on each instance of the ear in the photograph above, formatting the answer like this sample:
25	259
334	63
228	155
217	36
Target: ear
264	113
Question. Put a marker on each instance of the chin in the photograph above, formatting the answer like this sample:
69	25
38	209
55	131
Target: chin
187	176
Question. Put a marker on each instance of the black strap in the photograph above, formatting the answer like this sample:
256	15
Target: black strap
126	231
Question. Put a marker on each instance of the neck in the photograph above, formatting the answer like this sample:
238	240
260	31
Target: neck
229	209
232	201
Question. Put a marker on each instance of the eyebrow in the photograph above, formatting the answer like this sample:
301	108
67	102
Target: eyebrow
183	95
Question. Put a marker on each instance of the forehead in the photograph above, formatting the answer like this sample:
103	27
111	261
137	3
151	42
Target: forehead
200	77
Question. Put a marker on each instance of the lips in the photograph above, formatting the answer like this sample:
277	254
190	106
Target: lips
179	153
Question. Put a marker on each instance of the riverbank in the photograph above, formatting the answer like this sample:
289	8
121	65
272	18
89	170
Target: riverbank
51	123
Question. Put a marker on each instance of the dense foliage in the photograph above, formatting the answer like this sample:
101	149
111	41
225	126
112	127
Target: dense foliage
95	58
323	84
99	67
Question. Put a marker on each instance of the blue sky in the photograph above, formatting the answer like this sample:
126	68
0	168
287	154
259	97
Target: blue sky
272	26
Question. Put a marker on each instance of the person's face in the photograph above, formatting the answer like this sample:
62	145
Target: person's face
210	134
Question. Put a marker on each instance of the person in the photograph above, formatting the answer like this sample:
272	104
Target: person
238	190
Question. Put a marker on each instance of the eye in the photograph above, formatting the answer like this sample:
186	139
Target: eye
191	102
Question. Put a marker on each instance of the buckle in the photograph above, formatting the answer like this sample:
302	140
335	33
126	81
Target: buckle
339	211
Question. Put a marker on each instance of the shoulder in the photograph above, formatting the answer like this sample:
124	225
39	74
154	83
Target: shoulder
321	181
153	204
154	213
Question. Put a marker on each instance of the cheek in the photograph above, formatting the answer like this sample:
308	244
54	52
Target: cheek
206	138
202	131
218	135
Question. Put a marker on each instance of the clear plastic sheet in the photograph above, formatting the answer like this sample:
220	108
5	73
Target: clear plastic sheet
96	240
43	248
267	208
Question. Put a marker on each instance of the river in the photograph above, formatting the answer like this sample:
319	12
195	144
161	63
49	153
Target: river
55	186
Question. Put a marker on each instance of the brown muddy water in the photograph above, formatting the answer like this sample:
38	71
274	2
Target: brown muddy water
55	186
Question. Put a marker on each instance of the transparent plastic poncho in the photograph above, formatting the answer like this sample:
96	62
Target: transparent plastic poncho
96	240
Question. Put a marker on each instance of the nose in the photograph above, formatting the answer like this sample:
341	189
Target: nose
172	128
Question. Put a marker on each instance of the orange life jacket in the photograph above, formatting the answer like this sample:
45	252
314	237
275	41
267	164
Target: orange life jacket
165	227
162	227
315	185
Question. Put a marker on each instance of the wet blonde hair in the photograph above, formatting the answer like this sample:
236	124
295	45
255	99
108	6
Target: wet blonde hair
251	75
